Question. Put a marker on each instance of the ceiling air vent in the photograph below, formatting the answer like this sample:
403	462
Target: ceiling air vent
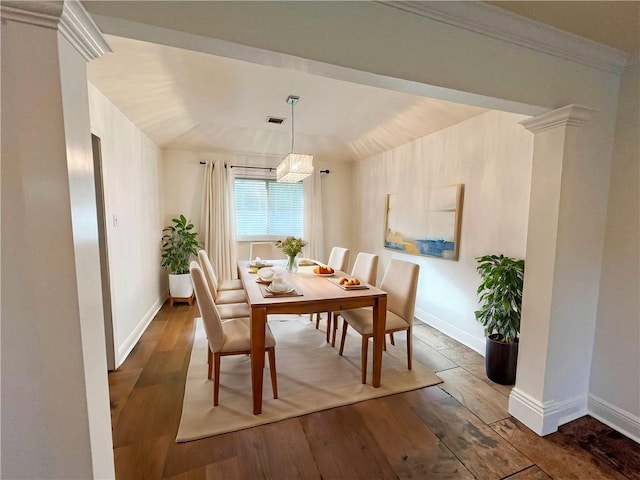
275	120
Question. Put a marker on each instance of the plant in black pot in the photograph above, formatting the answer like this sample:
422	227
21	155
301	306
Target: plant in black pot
179	243
500	295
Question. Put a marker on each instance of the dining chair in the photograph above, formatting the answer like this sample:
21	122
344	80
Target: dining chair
265	250
400	281
365	268
226	311
206	265
232	337
221	297
338	260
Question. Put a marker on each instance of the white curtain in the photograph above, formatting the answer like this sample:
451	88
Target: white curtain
313	227
218	218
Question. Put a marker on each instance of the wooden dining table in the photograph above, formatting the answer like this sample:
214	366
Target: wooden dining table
317	294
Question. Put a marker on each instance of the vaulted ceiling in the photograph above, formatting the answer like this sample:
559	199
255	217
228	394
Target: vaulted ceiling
190	100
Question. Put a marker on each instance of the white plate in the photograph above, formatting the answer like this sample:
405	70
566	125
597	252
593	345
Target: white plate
305	262
324	274
266	274
276	292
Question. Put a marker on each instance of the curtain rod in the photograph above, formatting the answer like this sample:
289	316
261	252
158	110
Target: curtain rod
258	168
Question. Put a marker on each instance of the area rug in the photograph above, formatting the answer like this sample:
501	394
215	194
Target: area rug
311	377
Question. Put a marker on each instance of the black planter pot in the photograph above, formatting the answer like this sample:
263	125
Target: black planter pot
500	360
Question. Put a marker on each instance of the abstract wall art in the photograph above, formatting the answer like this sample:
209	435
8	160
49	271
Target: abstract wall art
425	222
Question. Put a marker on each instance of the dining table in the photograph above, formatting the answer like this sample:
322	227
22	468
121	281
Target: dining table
313	293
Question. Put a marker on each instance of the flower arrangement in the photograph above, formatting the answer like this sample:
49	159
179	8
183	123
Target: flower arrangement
291	246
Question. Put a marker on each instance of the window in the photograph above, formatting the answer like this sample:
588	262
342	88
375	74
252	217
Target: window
266	208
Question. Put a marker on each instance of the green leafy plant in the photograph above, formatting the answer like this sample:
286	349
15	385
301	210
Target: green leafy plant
291	246
500	295
179	242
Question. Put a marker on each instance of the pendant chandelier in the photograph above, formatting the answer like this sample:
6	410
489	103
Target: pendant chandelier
295	166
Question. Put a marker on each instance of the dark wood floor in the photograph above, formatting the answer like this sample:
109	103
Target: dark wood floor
459	429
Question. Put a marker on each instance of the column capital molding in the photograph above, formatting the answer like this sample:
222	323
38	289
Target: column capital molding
570	115
69	17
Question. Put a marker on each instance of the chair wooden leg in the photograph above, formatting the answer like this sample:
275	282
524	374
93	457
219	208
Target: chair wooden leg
409	347
209	361
328	327
216	378
335	328
392	339
365	348
344	336
272	367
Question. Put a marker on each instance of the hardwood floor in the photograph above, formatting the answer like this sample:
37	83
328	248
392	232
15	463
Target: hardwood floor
457	430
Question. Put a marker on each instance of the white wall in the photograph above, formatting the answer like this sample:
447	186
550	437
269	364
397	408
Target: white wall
615	382
133	209
489	154
183	177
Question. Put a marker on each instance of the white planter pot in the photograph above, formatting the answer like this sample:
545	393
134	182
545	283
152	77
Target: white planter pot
180	286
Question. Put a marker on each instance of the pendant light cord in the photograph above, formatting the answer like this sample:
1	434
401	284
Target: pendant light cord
292	122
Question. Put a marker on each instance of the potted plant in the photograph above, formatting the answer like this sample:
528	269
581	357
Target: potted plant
500	294
179	242
291	247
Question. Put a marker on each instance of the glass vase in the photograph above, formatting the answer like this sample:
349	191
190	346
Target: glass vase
292	264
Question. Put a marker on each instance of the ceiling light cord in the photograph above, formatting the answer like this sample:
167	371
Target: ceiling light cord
292	131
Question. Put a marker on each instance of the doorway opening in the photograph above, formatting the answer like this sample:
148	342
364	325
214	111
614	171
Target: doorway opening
104	254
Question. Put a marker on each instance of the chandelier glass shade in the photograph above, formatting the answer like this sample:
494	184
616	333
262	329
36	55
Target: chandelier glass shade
295	166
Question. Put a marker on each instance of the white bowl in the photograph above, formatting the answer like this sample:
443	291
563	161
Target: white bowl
280	286
266	273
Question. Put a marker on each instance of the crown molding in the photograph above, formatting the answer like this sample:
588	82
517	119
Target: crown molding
570	115
81	31
485	19
69	17
40	13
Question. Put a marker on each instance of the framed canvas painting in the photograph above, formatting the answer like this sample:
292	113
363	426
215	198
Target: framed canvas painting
425	222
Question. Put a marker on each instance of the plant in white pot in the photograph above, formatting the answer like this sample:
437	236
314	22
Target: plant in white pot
179	243
500	295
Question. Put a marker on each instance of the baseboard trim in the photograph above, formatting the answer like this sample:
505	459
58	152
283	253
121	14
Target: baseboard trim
475	343
545	418
125	349
618	419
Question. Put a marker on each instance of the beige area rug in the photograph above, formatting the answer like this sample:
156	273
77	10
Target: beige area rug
311	377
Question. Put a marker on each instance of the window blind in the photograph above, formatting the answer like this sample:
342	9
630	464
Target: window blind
266	208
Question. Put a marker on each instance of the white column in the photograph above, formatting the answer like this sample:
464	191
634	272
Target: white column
559	303
55	404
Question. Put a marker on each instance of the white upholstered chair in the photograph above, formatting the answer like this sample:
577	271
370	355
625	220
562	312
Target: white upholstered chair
365	268
265	250
401	284
227	338
206	265
221	297
338	260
